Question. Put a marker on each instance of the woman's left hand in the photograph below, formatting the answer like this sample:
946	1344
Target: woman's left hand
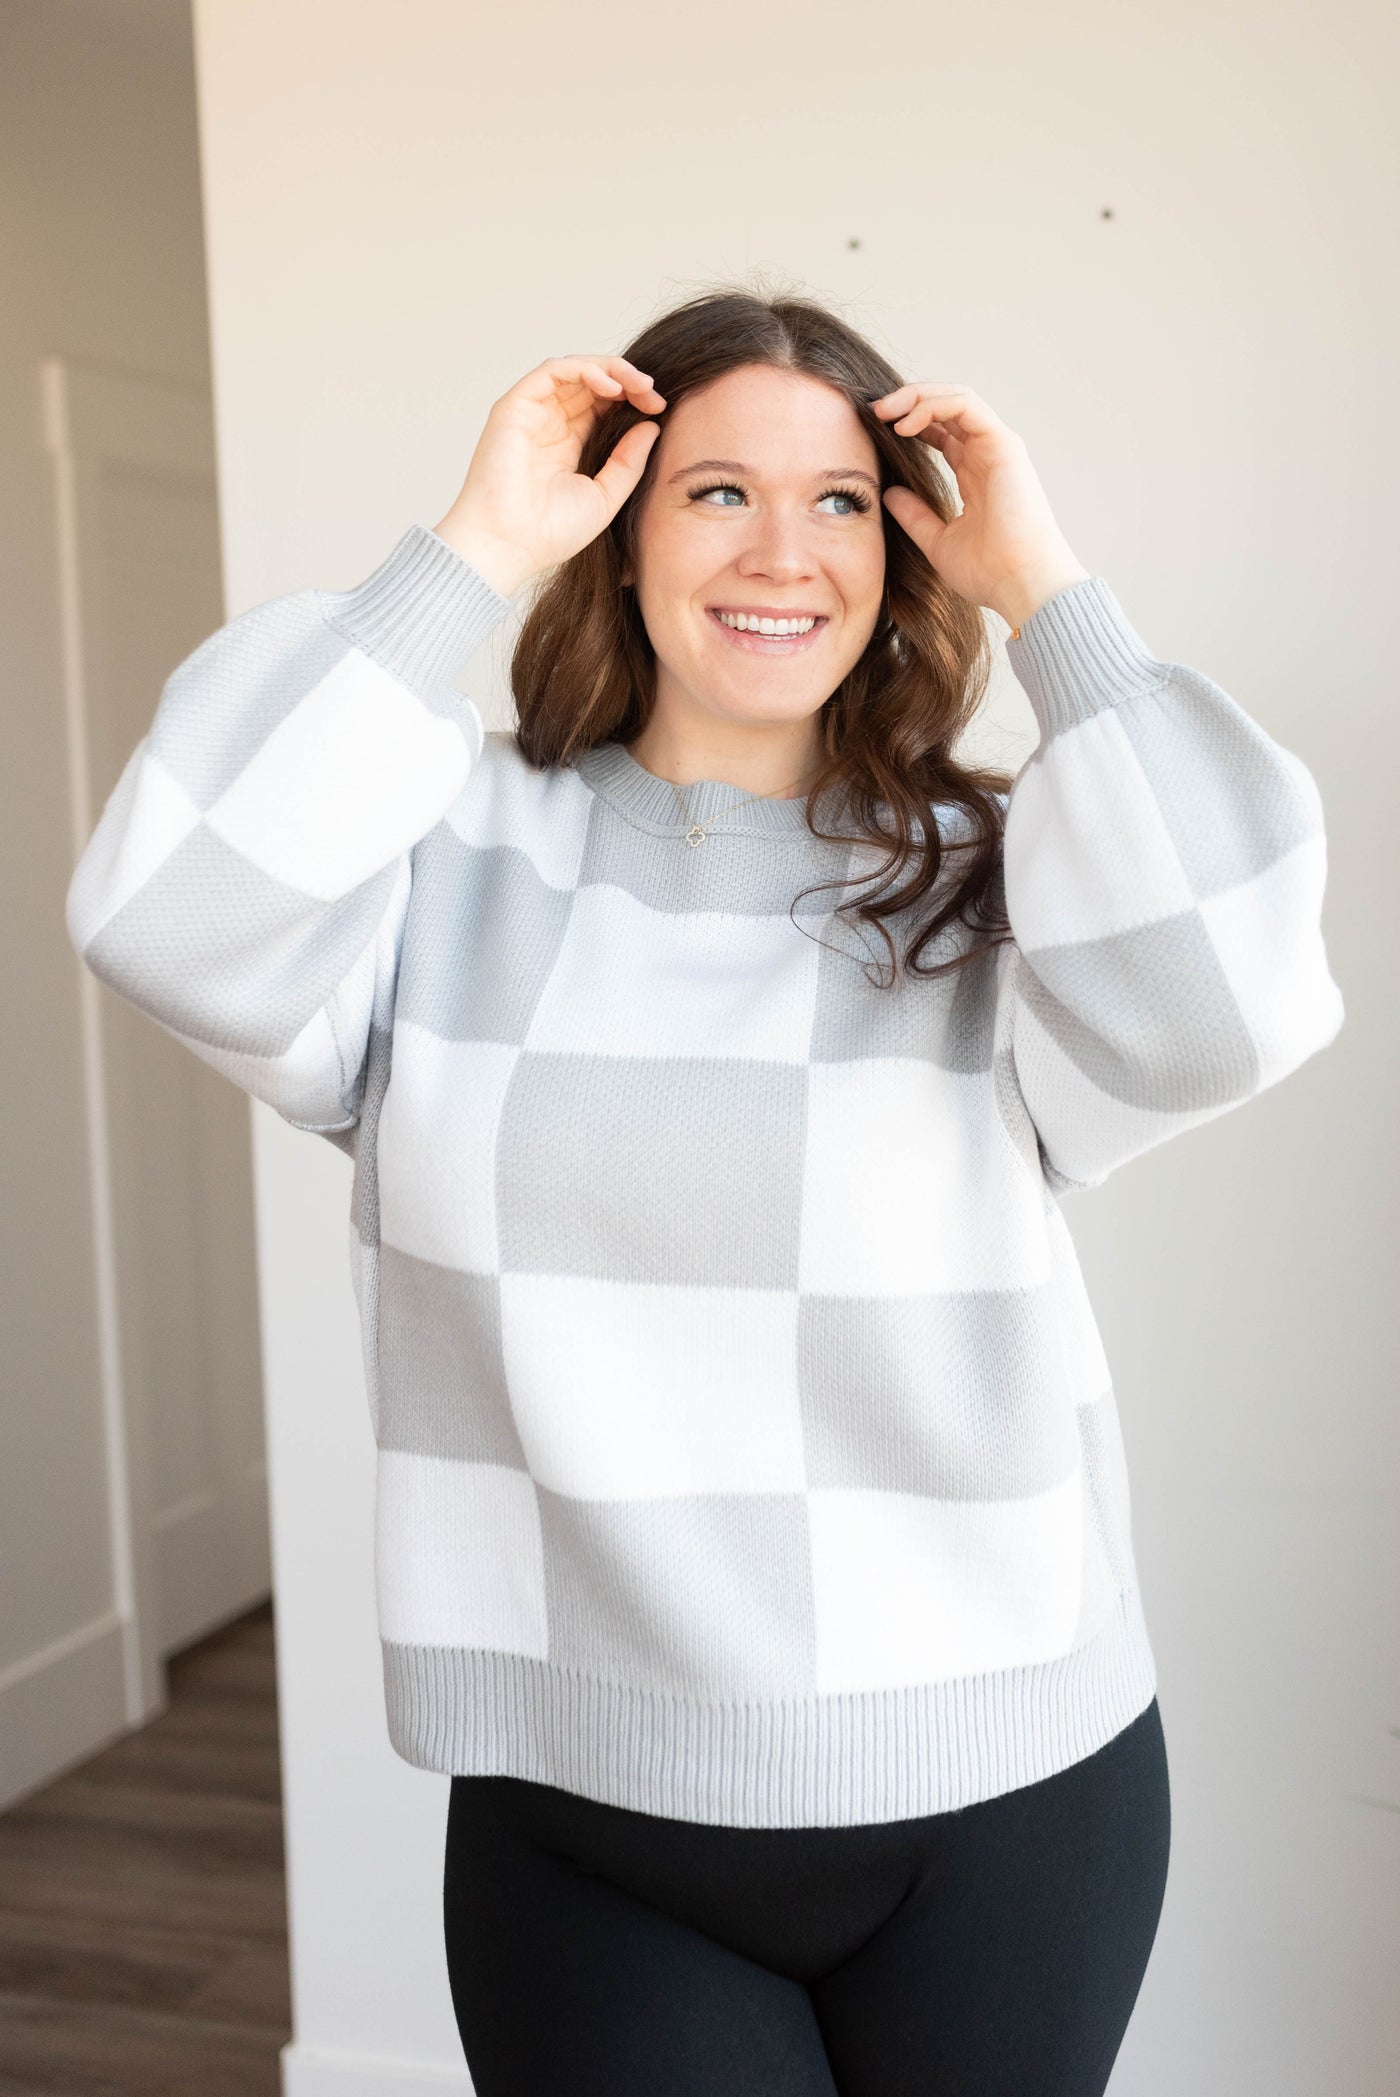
1004	549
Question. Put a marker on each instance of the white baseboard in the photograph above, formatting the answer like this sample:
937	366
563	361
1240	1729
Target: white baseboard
308	2072
59	1705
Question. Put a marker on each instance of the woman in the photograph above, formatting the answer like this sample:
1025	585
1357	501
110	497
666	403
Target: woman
753	1539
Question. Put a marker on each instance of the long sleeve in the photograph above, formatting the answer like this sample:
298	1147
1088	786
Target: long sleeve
1165	862
247	882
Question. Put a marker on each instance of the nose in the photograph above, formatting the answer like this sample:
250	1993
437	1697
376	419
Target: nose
777	547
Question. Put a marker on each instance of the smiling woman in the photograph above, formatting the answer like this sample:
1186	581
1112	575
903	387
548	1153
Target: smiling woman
670	632
753	1541
783	561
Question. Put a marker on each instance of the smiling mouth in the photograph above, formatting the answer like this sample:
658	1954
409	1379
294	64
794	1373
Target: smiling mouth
763	633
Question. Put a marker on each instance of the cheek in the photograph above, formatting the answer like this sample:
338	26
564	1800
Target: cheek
668	579
862	578
666	571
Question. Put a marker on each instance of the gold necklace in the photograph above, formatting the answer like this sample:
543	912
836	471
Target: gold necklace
696	834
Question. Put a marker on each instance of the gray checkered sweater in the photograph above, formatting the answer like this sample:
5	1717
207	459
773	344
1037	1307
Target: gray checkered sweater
747	1452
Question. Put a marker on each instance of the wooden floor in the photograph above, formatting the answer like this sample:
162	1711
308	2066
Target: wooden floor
143	1937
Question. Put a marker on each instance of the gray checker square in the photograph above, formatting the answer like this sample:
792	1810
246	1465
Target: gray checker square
946	1395
177	947
746	873
272	657
489	904
1195	745
621	1577
947	1020
671	1169
442	1386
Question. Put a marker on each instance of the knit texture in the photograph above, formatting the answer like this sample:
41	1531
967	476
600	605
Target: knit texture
747	1450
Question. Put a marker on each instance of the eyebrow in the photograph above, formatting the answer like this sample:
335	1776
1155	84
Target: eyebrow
828	473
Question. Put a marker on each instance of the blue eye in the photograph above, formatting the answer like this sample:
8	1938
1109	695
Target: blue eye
858	502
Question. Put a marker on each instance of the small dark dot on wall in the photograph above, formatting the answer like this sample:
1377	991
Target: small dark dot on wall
853	243
1106	212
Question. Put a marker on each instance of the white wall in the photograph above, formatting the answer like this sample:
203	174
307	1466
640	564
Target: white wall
405	210
101	260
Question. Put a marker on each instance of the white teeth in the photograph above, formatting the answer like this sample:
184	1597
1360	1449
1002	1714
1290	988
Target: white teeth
746	622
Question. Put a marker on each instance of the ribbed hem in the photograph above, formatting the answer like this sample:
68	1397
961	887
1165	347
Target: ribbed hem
838	1761
1078	654
422	612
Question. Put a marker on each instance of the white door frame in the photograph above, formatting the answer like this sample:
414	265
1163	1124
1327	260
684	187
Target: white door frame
92	418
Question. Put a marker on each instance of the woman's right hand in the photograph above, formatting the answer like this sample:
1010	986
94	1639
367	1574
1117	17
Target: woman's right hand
523	505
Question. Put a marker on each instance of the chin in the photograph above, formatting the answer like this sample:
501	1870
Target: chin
767	705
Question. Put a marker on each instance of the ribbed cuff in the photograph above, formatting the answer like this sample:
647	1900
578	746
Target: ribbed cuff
422	612
1078	654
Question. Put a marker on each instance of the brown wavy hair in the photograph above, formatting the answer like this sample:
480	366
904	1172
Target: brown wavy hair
583	670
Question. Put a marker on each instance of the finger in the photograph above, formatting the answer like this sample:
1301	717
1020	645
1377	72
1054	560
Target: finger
635	384
948	442
938	436
618	374
957	406
952	422
922	420
632	376
923	524
622	469
582	396
904	397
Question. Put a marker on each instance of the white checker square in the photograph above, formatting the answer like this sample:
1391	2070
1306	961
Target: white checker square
912	1590
543	814
1087	1375
358	741
1098	1597
625	1390
912	1184
303	1083
145	817
1101	1433
634	981
459	1557
1086	1132
1074	872
1265	933
437	1148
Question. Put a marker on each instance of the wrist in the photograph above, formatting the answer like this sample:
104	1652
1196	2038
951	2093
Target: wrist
1021	595
495	560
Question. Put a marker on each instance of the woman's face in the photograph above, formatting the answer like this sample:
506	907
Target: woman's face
765	505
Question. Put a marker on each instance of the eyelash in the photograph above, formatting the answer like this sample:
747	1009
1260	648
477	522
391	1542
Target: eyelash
862	502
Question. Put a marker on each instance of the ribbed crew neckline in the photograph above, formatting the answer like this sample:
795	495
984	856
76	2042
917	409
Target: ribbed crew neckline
639	796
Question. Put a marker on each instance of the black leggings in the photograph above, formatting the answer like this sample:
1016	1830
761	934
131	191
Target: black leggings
996	1951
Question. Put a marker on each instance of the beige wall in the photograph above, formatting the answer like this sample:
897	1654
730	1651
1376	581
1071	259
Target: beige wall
101	259
405	209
